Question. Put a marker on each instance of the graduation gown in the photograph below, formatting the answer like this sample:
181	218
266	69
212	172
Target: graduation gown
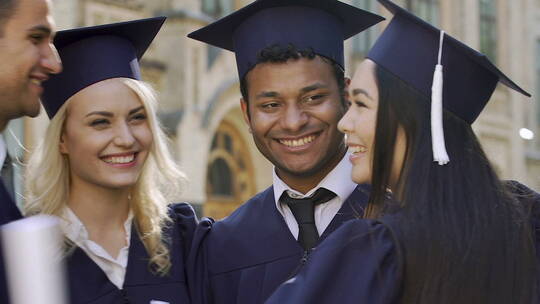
358	263
89	284
243	258
362	262
8	212
8	209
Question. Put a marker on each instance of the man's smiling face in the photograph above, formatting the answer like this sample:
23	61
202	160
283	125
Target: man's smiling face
293	111
27	58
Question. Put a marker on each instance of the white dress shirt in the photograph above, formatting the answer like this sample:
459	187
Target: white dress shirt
114	268
338	181
3	151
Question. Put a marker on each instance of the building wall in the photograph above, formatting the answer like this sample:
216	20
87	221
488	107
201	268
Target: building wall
198	94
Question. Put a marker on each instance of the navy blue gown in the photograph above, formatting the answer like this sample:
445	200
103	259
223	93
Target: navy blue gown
8	212
89	284
362	262
243	258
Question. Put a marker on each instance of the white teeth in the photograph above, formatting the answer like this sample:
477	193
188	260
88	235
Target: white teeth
297	142
119	159
358	149
35	81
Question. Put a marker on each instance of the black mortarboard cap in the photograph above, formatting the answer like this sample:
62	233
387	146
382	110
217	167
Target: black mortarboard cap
321	25
408	48
95	53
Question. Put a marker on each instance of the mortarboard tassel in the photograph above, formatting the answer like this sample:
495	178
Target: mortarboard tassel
437	133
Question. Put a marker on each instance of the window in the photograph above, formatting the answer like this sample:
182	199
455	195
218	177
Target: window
488	28
215	9
229	180
362	42
428	10
220	178
212	54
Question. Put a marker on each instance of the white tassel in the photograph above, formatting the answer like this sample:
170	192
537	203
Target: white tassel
437	133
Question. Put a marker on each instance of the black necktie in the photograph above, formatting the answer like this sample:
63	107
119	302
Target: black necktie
303	210
6	174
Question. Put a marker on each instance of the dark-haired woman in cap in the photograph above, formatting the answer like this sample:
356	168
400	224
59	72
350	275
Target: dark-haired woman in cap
441	227
104	168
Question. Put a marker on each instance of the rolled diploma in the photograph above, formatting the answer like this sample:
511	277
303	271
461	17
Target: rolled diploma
32	250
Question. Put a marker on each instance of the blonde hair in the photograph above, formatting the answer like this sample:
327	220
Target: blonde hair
47	179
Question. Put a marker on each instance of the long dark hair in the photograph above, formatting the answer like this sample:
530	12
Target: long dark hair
465	238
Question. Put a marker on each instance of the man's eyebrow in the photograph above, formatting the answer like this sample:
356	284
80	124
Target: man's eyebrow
313	87
361	91
41	28
268	94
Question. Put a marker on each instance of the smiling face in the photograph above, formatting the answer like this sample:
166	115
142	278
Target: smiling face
106	136
27	58
359	124
294	108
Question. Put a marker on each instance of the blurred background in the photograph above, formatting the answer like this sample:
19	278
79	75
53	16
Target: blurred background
199	91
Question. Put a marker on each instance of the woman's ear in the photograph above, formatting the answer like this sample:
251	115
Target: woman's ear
62	145
347	83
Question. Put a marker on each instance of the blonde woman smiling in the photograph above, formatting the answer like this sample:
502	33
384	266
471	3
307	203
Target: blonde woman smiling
104	168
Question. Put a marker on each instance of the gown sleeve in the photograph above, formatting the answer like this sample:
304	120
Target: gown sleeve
8	209
530	199
185	221
358	263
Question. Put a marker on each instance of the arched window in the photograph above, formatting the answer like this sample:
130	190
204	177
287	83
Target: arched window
220	179
229	181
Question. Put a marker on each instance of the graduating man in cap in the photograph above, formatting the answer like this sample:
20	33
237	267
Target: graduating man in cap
290	61
27	57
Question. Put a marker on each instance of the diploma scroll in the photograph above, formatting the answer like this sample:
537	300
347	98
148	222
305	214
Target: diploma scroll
32	250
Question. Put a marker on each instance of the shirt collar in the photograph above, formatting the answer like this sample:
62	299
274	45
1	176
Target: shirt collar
74	229
3	150
338	181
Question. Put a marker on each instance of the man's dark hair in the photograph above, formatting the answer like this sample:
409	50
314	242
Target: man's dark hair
279	54
7	9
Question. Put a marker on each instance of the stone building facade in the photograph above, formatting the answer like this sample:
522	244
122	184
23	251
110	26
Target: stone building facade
199	90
